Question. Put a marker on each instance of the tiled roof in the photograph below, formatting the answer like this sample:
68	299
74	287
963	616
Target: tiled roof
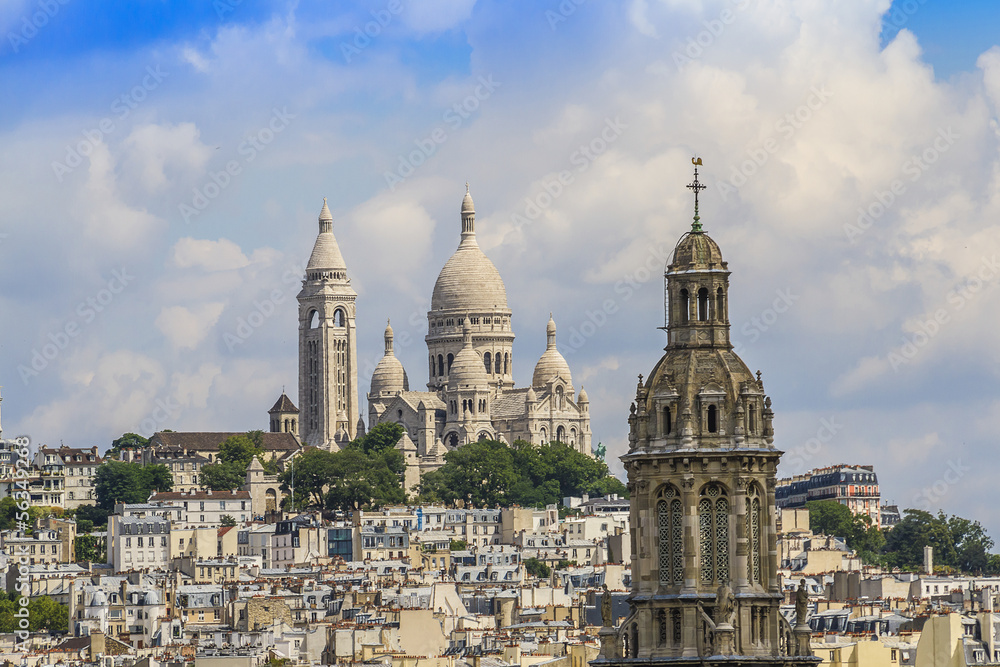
204	441
283	404
510	405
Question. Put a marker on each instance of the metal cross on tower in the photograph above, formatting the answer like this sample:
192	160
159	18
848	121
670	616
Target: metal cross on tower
696	187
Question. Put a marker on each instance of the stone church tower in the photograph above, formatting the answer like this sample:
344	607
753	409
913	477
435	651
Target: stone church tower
328	363
701	472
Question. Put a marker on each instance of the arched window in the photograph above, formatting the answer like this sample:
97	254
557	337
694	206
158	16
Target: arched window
713	532
720	305
634	640
668	425
544	435
314	319
670	540
703	305
440	365
713	419
487	361
755	537
661	623
561	434
451	358
338	318
753	420
685	305
453	440
484	436
559	398
433	367
497	360
572	436
506	361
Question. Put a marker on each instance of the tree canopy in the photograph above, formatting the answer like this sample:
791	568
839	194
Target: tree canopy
235	455
366	474
118	481
127	441
490	474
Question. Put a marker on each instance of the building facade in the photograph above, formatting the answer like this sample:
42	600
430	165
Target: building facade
856	487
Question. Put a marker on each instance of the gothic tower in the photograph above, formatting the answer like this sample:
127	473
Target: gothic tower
701	472
328	364
469	287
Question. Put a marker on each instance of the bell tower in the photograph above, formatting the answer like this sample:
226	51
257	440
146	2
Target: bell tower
701	472
328	357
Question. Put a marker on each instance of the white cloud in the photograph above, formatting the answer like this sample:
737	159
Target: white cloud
161	155
187	327
207	255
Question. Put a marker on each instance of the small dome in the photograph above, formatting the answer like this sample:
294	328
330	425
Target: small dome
697	250
469	282
583	396
389	375
530	397
99	599
551	362
326	252
467	368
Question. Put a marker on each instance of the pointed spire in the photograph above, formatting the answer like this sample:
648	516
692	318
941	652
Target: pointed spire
550	334
468	214
466	333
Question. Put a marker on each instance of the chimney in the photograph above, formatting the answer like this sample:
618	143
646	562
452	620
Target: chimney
928	560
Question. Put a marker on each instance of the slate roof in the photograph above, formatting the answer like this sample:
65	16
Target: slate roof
284	404
510	405
206	441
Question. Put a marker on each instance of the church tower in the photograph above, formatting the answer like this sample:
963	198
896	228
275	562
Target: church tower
701	473
328	363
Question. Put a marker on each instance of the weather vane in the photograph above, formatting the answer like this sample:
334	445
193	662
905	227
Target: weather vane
696	187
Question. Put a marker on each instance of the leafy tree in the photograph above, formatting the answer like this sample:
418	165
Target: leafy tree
44	613
98	516
489	473
127	441
84	526
118	481
917	529
380	438
235	455
222	476
537	568
313	471
227	520
828	517
458	545
90	549
358	480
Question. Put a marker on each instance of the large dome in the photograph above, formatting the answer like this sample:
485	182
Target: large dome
551	363
469	281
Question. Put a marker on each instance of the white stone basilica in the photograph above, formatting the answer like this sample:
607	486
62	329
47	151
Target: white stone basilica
470	390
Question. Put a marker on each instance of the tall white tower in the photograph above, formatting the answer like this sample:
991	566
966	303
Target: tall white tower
328	357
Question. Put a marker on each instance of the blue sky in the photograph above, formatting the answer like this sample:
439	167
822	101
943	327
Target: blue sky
807	114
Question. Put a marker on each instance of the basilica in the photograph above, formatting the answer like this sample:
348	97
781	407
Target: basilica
470	391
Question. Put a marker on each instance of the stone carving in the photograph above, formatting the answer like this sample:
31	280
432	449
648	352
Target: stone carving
801	604
606	619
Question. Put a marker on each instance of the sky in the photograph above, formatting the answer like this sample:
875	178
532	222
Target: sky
164	165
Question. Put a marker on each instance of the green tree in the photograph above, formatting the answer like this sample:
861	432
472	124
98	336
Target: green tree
972	544
46	614
904	547
98	516
358	480
90	549
222	476
458	545
313	472
228	520
537	568
118	481
480	472
380	438
828	517
127	441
